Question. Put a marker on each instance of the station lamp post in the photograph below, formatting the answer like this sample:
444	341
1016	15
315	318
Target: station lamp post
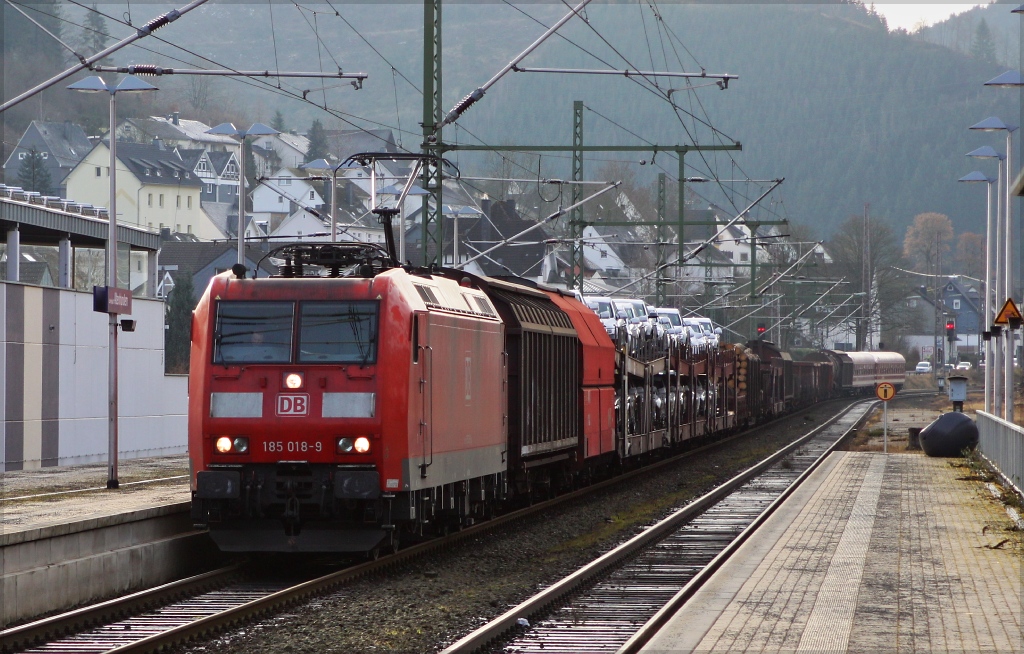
113	301
323	164
975	177
228	129
996	125
1009	79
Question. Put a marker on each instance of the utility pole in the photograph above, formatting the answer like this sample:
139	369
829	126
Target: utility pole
864	329
576	224
432	234
662	296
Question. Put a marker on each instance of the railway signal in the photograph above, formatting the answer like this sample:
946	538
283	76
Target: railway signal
950	329
760	329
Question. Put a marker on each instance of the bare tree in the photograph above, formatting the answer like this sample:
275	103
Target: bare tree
197	92
970	254
927	242
886	289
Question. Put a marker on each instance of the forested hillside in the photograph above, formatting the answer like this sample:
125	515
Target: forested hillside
828	98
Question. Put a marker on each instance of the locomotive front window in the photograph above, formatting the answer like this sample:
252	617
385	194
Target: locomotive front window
253	332
338	332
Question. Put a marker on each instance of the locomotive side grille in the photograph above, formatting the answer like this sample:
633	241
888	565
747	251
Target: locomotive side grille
484	306
427	295
537	313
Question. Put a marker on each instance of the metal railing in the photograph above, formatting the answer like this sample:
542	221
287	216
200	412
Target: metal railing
1002	443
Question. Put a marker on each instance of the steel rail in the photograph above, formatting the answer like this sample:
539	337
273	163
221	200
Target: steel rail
652	626
544	601
27	635
17	637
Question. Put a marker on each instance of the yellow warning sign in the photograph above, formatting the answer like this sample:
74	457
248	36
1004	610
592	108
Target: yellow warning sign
885	391
1009	313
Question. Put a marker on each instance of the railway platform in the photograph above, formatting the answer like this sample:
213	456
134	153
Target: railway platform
44	497
873	553
66	540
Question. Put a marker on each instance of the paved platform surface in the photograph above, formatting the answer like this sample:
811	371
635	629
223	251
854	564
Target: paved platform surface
874	553
34	499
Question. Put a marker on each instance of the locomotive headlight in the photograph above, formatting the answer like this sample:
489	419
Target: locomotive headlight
232	444
356	444
293	380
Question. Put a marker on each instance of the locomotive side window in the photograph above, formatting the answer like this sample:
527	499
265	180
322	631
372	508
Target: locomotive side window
338	332
253	332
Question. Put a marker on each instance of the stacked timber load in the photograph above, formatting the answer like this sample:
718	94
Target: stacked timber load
742	365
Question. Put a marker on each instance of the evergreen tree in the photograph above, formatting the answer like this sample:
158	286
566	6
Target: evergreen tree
177	336
983	47
94	33
33	175
318	148
277	122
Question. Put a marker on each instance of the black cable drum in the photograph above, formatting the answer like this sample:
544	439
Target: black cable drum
949	435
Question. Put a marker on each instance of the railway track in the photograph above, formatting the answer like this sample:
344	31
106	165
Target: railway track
616	602
207	604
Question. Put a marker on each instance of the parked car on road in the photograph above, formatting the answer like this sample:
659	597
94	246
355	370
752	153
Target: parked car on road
923	367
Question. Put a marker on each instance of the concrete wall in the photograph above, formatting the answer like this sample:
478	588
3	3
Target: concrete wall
53	393
59	567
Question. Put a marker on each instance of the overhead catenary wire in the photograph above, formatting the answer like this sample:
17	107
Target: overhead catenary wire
679	260
142	32
553	216
473	97
56	38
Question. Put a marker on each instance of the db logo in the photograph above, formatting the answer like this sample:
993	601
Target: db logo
293	405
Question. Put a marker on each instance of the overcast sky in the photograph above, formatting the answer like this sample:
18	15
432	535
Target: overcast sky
909	15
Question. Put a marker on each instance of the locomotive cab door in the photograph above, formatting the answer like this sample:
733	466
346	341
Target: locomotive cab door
425	357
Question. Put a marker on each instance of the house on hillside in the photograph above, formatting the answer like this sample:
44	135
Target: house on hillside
302	226
156	188
282	194
218	172
174	132
288	150
61	145
346	142
498	221
201	261
959	300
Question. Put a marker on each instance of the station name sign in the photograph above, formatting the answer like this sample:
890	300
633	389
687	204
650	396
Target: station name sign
110	299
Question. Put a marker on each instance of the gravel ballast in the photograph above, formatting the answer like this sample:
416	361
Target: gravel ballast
434	601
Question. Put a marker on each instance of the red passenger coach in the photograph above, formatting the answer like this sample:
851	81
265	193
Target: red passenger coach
323	410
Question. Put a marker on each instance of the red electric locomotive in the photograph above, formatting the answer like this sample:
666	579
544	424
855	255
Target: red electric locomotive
324	410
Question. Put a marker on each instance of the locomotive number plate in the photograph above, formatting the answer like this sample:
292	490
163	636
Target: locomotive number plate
292	404
293	447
